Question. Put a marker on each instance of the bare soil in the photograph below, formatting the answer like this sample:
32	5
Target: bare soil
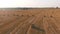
30	21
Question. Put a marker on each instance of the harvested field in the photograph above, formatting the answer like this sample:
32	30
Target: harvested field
30	21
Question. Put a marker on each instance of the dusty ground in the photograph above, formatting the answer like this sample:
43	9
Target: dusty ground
30	21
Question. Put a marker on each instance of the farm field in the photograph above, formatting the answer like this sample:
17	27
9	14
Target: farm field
30	21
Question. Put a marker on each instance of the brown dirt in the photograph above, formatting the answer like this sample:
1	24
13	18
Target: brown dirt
30	21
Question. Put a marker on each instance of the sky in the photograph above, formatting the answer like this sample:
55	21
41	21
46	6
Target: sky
29	3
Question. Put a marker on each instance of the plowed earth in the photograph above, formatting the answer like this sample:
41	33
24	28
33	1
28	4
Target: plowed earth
30	21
